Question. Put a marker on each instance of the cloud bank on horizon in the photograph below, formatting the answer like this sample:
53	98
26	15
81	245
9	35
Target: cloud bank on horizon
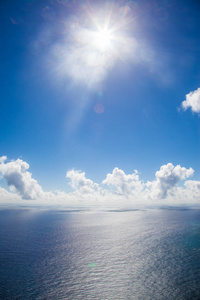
118	189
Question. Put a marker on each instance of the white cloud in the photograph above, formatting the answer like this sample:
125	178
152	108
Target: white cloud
193	185
193	189
124	184
79	182
167	179
118	190
7	197
19	179
192	101
2	159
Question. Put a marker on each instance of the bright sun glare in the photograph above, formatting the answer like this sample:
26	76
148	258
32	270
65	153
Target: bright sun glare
94	47
103	39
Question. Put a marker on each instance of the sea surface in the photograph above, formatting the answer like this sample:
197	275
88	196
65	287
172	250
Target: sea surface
144	254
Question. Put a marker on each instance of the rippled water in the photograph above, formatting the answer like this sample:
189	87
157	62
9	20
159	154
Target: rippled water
152	254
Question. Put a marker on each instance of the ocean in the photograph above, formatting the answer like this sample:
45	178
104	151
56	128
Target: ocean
141	254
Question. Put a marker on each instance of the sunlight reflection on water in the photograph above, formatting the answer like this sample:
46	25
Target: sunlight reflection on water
115	255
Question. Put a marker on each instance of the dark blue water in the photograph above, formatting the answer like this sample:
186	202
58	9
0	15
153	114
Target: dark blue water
151	254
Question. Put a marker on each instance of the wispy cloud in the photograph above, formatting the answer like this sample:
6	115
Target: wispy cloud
192	101
118	189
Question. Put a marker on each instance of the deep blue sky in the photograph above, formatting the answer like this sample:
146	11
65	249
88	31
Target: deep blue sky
50	122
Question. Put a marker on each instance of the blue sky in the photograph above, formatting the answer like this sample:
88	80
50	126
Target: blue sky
72	100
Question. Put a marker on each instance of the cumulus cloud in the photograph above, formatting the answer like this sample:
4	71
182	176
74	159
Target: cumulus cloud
78	181
167	179
124	184
117	190
7	197
192	101
193	189
19	179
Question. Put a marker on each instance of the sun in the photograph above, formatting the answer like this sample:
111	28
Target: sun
103	39
100	39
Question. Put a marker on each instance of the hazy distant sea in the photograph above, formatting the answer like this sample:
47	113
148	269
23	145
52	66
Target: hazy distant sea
153	254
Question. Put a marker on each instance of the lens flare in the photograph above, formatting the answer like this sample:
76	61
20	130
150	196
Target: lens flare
99	108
